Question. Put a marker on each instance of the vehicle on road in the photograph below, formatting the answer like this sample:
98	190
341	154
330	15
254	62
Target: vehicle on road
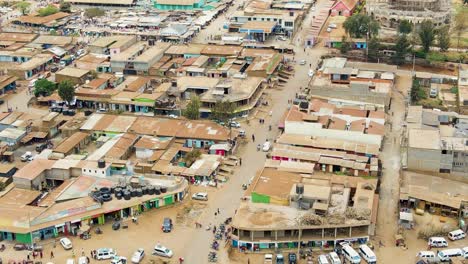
322	259
2	101
119	260
427	255
167	225
101	110
66	243
234	124
332	25
302	62
138	256
292	257
437	242
41	147
201	196
279	259
172	116
266	146
433	93
349	253
70	261
311	73
26	156
456	235
105	253
162	251
447	254
329	30
334	259
465	252
268	259
282	38
367	254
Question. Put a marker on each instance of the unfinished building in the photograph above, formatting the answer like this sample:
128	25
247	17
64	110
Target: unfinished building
390	12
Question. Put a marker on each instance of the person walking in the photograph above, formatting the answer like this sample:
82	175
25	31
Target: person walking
51	254
240	161
253	137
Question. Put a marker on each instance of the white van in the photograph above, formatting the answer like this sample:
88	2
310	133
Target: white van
465	252
447	254
334	259
105	253
456	235
349	253
428	255
322	259
367	254
268	259
437	242
70	261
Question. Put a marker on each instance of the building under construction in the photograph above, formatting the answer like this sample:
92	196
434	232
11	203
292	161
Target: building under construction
390	12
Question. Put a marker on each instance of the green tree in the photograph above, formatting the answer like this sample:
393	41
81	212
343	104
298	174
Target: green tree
460	23
94	12
192	111
402	47
426	35
443	38
373	47
359	25
65	7
47	11
2	186
417	93
223	111
192	156
405	27
93	74
345	45
66	91
23	6
44	87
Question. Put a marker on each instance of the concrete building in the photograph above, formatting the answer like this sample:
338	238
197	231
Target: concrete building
74	75
138	58
287	209
390	12
436	142
179	4
112	45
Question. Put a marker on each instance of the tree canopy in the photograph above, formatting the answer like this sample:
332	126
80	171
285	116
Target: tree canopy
426	35
443	38
402	47
373	47
345	45
94	12
359	25
223	111
405	27
65	7
460	22
47	11
66	91
44	87
23	6
192	111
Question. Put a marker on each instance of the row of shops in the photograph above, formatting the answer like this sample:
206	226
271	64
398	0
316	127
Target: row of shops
90	218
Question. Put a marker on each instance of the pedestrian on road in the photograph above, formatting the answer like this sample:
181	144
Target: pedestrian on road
40	253
216	214
253	137
82	252
28	256
218	210
51	254
240	161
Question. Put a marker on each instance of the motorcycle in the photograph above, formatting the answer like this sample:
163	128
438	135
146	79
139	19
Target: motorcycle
98	231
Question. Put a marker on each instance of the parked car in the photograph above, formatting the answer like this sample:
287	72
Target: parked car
433	93
292	257
302	62
437	242
119	260
266	146
26	156
279	259
282	38
2	101
69	112
332	25
54	69
162	251
456	235
101	110
66	243
202	196
41	147
116	225
234	124
334	259
167	225
311	73
138	255
105	253
329	30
